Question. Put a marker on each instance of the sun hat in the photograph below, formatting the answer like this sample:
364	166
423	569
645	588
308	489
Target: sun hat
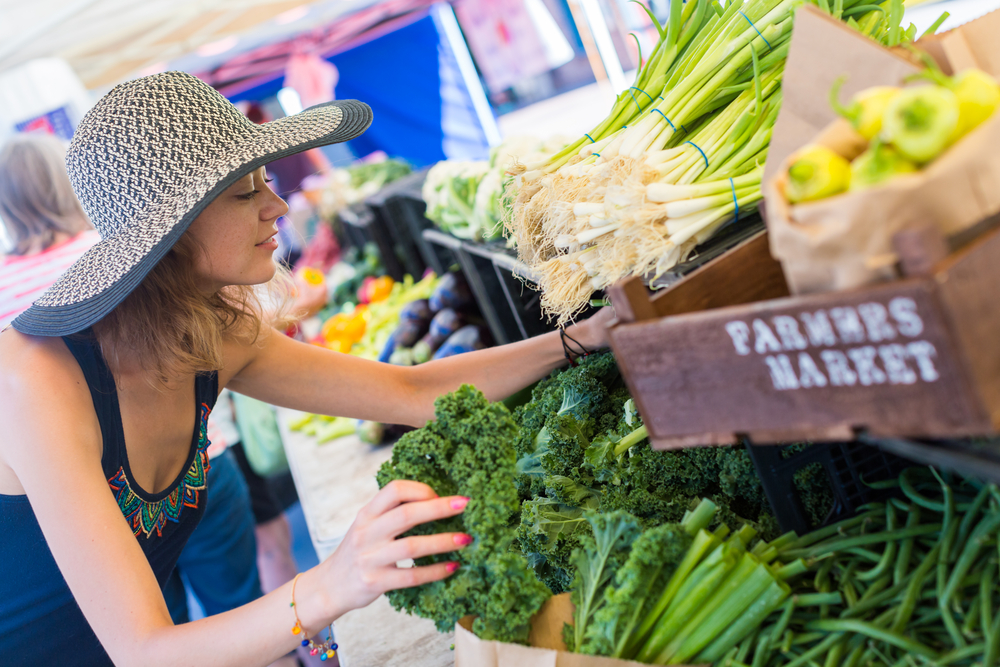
144	162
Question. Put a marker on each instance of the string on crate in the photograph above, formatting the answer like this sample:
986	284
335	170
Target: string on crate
568	350
700	151
755	29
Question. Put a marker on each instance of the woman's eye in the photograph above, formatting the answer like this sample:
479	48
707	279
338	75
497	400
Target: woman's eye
249	195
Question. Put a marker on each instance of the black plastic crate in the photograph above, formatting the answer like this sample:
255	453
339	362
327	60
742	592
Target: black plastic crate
848	466
362	227
391	206
523	299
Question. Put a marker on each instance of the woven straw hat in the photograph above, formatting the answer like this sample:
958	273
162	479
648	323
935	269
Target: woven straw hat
144	162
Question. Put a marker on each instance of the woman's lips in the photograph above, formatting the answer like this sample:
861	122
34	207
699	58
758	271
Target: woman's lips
270	243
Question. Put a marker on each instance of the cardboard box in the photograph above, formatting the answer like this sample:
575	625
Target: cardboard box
547	648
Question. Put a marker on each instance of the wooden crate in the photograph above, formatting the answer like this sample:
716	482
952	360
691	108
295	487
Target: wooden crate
727	352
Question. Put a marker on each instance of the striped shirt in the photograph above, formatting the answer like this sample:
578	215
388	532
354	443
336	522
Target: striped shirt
24	278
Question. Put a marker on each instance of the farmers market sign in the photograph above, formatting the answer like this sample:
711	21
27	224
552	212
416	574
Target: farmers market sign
868	344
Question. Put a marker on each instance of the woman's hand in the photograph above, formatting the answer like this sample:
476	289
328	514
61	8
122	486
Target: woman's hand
364	565
592	333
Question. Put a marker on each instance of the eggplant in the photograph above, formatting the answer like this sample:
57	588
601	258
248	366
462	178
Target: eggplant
409	332
416	311
390	347
451	292
466	339
444	324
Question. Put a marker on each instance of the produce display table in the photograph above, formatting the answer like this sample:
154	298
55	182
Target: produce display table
334	480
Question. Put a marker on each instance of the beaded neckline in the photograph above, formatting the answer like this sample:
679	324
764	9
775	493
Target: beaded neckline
146	517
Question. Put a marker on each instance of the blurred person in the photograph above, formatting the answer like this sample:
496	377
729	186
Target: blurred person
43	220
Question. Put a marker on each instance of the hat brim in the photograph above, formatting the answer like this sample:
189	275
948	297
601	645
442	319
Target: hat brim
110	270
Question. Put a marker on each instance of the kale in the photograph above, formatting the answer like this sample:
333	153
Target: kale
603	550
469	450
548	534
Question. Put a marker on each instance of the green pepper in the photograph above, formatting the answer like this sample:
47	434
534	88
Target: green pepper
876	165
866	108
919	122
816	172
978	97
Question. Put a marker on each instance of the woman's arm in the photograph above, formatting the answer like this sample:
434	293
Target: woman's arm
284	372
53	444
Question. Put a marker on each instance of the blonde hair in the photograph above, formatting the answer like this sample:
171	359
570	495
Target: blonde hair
175	329
36	199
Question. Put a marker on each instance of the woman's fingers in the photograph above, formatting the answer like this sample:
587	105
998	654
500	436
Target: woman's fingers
422	545
407	577
397	521
393	495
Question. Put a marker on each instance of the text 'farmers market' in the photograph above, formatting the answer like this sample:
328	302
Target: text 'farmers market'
900	361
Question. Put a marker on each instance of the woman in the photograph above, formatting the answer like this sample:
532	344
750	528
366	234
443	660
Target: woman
42	218
110	376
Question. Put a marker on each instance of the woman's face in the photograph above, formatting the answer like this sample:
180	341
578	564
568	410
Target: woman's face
236	234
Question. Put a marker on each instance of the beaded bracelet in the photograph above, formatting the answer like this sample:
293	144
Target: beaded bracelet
325	650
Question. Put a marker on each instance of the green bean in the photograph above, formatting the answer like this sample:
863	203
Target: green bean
911	492
972	618
891	483
814	599
888	555
835	654
992	644
873	631
949	529
929	616
986	600
762	651
866	554
807	638
963	653
815	651
906	548
855	655
744	648
861	540
823	574
837	528
984	529
913	590
877	587
977	505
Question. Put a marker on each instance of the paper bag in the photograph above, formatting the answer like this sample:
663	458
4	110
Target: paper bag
846	241
547	648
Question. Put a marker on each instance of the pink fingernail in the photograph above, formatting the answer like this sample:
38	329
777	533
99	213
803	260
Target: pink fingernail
459	503
451	567
463	540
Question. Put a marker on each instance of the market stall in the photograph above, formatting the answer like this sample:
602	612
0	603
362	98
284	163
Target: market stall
790	455
722	340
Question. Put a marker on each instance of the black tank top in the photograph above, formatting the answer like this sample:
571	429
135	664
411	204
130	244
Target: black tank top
33	593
